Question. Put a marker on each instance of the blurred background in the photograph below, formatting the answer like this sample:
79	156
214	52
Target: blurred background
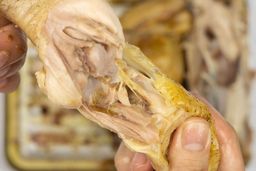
208	46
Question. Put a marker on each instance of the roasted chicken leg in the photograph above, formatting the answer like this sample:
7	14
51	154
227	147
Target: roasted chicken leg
88	66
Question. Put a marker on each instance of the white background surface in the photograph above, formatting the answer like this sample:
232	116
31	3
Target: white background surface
252	165
252	21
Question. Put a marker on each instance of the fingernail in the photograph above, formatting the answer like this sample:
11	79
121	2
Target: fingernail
3	58
195	136
139	159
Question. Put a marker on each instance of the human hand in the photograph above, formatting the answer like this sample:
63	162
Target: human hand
12	55
189	148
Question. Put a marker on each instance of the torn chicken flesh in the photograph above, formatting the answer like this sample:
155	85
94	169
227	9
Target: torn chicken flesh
89	67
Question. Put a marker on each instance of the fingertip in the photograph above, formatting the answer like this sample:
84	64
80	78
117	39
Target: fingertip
140	163
123	158
10	70
10	84
190	146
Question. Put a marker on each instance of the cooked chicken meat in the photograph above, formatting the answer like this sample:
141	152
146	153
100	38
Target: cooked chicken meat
89	67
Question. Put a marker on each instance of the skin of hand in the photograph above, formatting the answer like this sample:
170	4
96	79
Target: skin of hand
12	55
189	148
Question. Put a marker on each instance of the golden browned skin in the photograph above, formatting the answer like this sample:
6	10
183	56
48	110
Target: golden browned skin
178	97
89	67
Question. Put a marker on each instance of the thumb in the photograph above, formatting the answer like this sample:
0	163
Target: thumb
190	146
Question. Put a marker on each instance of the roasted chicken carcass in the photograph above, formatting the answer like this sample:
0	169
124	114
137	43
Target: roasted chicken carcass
88	66
217	62
159	33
